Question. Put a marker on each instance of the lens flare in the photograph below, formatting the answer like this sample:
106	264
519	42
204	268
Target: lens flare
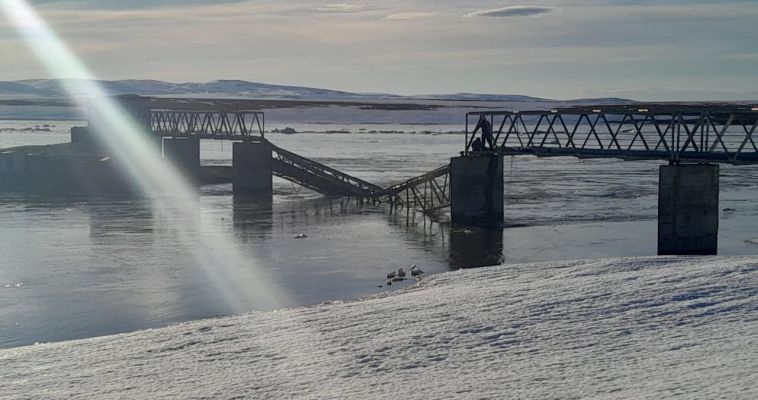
238	280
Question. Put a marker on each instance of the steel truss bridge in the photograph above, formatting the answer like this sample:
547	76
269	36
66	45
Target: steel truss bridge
675	133
224	125
718	133
428	192
319	177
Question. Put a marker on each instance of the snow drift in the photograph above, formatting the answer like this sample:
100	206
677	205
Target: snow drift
626	328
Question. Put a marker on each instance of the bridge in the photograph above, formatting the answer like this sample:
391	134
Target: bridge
427	192
677	133
212	124
692	138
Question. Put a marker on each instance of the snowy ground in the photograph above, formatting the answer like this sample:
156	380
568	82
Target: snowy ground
629	328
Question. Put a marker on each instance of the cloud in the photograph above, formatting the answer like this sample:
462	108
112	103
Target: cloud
409	15
341	8
513	11
124	4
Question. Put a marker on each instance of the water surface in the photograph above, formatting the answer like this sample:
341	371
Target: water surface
76	268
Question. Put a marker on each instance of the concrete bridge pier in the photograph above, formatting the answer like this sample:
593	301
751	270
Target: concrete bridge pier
87	136
476	191
688	209
184	153
251	169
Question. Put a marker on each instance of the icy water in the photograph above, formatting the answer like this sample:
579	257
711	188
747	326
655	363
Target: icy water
72	268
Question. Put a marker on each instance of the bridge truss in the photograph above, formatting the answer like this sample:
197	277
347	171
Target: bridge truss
428	192
230	125
678	133
319	177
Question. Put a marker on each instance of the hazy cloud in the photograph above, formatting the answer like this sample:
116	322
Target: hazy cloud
705	46
513	11
125	4
409	15
341	8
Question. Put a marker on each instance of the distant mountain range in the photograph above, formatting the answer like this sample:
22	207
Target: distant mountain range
51	88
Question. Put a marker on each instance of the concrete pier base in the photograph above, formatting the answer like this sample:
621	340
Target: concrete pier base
251	165
86	136
184	153
688	210
62	170
476	191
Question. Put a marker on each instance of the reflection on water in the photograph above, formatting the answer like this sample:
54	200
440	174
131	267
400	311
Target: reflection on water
253	218
475	247
128	219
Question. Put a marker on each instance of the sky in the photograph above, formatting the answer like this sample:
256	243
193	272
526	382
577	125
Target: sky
641	49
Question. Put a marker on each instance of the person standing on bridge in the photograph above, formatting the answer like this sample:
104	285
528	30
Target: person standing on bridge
486	128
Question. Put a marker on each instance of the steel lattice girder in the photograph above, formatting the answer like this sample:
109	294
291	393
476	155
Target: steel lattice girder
718	133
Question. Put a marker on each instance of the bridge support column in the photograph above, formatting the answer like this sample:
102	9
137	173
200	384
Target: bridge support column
688	209
251	165
184	153
476	191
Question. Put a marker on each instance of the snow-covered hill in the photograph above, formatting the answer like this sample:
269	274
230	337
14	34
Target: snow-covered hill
55	88
241	89
478	97
636	328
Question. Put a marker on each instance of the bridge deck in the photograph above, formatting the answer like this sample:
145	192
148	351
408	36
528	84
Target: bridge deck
630	155
427	192
319	177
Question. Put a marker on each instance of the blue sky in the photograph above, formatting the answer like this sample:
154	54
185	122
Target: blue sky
644	49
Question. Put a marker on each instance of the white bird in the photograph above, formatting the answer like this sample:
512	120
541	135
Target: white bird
400	273
300	236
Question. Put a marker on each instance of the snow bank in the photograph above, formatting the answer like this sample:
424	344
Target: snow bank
629	328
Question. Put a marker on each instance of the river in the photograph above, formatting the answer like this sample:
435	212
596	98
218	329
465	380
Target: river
77	268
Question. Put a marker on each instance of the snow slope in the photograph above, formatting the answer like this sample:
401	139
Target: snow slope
627	328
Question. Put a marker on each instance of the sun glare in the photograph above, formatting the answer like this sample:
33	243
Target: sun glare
243	284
